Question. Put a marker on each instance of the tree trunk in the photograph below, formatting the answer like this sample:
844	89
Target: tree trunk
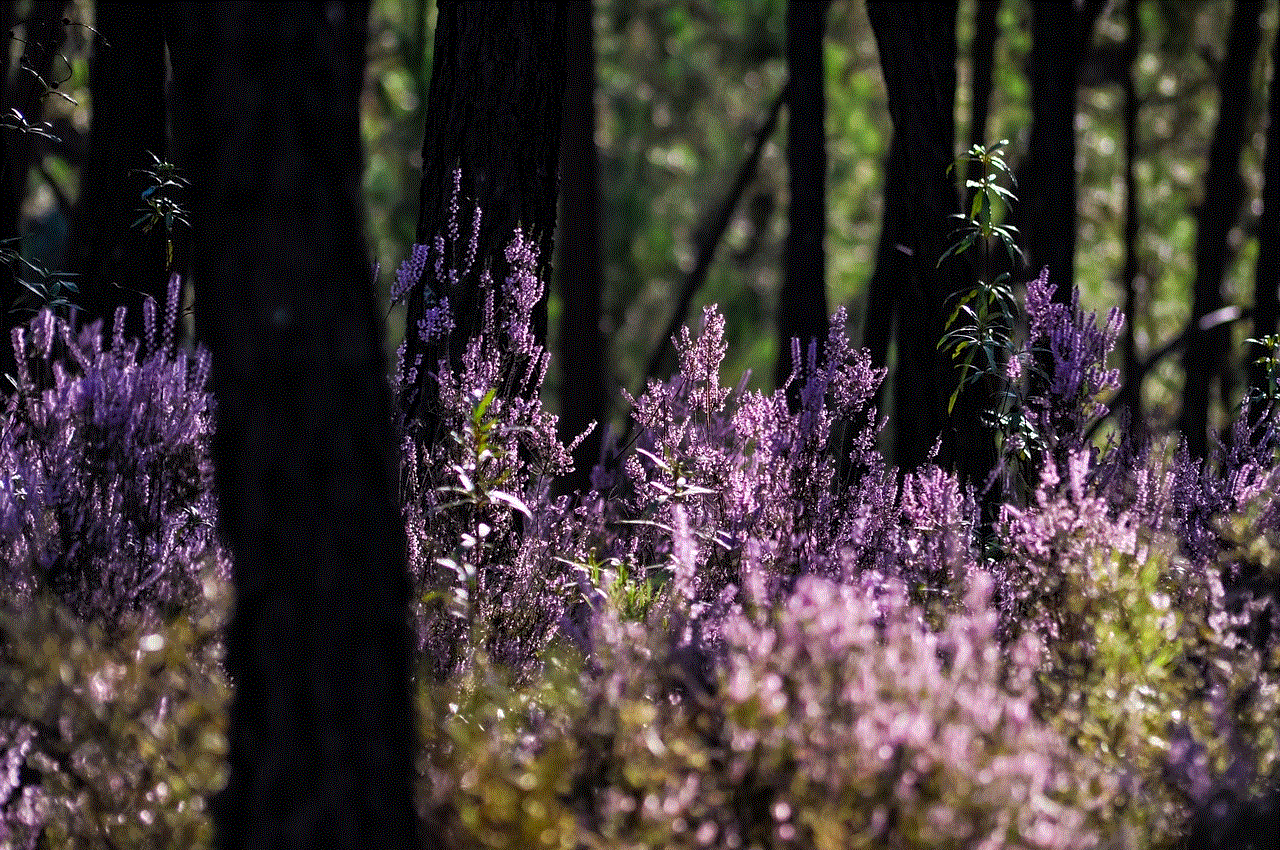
986	28
494	109
1049	196
1131	399
321	728
894	290
1205	357
802	300
10	204
44	33
917	54
584	386
118	264
1266	282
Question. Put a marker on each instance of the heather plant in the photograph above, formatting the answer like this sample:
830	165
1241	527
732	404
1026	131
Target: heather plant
834	718
750	633
1146	667
1076	346
480	560
745	469
105	475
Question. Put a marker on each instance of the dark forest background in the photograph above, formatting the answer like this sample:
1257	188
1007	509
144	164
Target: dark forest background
686	199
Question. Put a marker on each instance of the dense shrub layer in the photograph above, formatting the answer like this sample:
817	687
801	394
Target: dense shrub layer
751	633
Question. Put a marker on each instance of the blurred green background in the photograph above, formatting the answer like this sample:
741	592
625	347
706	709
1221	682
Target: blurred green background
682	87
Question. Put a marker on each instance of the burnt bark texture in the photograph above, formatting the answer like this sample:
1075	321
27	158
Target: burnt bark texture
9	206
986	28
802	299
321	733
1266	292
1206	354
584	387
43	33
895	286
118	264
1048	194
494	109
1131	398
916	42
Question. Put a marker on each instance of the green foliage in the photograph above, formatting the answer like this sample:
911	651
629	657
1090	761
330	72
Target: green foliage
125	723
1147	668
477	492
980	329
1267	397
162	202
42	287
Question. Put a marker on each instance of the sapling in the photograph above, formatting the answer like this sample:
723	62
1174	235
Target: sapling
980	330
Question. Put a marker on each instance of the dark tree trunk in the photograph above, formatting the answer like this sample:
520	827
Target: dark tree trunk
894	288
982	57
1049	191
584	387
9	206
1266	283
802	300
1205	357
494	109
917	53
1131	399
321	731
118	264
43	33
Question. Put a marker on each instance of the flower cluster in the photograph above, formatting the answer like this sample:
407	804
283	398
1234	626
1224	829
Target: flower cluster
105	472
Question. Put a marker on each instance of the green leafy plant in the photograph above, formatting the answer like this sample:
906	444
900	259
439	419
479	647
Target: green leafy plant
1267	397
162	202
981	327
480	477
43	288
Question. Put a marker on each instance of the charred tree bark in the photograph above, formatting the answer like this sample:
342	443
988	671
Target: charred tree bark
1049	196
10	204
1131	400
894	288
43	34
494	109
1205	357
118	264
321	732
917	54
584	388
985	30
802	300
1266	282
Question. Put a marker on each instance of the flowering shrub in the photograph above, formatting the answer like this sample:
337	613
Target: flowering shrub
750	633
478	557
838	719
105	472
